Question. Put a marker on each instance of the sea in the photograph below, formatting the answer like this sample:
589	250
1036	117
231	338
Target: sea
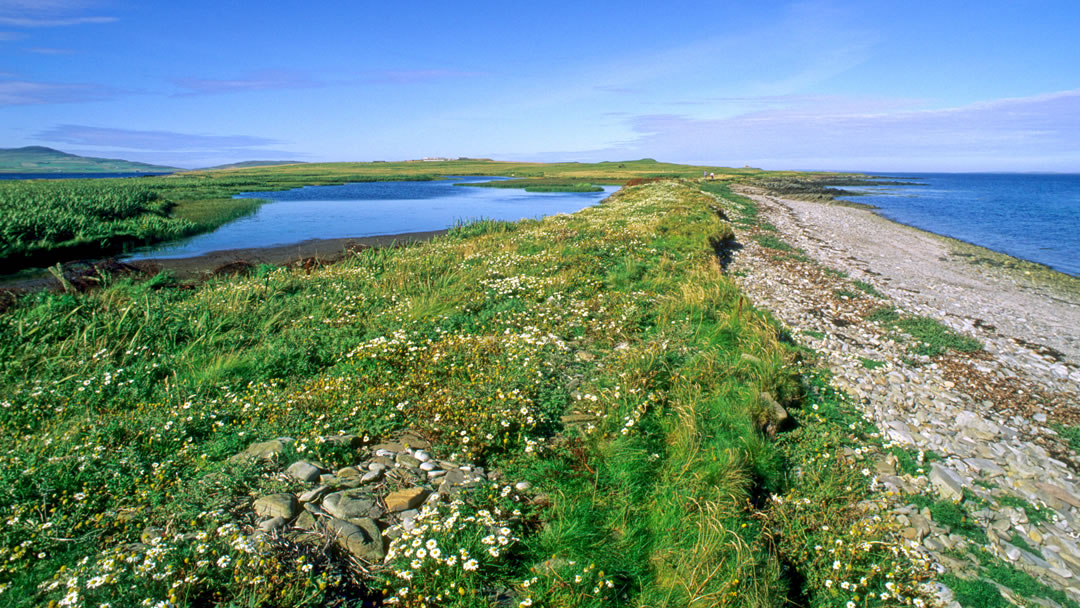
1035	217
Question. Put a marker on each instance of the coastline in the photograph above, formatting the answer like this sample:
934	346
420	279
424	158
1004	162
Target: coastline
933	272
321	251
985	434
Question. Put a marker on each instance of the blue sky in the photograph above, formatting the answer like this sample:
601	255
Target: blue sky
843	84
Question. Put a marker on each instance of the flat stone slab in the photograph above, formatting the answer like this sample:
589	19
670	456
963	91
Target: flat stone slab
1059	493
403	500
361	538
282	505
266	450
350	505
302	470
949	484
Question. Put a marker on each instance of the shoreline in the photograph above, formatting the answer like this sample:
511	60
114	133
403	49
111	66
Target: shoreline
1005	284
983	434
323	251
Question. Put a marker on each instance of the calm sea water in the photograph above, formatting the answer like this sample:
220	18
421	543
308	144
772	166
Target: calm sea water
370	209
1033	217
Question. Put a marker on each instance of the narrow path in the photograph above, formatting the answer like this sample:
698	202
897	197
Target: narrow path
983	425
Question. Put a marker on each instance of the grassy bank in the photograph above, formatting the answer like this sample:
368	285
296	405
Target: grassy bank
674	450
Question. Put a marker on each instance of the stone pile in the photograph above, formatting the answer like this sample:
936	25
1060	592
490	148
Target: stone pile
363	506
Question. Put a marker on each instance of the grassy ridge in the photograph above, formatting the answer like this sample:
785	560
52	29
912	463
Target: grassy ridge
122	407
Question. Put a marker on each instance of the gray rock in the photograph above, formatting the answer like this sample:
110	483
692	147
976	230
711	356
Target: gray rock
985	466
274	523
522	486
406	460
1058	493
350	441
302	470
314	494
305	521
949	484
351	504
371	476
428	466
277	505
266	450
347	472
361	538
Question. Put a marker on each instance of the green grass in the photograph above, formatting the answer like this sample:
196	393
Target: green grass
844	293
771	242
913	462
871	363
868	289
977	593
1071	434
544	184
927	336
1034	514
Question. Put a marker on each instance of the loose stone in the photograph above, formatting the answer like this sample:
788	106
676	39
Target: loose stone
277	505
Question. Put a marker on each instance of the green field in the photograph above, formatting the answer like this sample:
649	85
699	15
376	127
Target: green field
603	357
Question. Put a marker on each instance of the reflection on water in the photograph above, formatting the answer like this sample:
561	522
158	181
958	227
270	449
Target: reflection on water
373	208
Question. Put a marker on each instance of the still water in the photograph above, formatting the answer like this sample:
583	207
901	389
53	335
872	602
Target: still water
370	209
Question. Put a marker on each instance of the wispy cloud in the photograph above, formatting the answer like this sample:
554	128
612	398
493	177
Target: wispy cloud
49	13
131	139
24	92
9	36
43	22
46	50
417	76
261	81
1039	131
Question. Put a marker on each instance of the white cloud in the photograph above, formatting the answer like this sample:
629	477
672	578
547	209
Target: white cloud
24	92
49	13
1033	133
133	139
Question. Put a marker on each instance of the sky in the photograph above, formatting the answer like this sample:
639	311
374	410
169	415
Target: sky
862	85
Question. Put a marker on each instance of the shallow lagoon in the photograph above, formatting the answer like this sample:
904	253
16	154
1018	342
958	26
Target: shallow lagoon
370	209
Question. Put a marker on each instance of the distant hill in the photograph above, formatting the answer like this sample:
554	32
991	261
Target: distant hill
254	163
39	159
